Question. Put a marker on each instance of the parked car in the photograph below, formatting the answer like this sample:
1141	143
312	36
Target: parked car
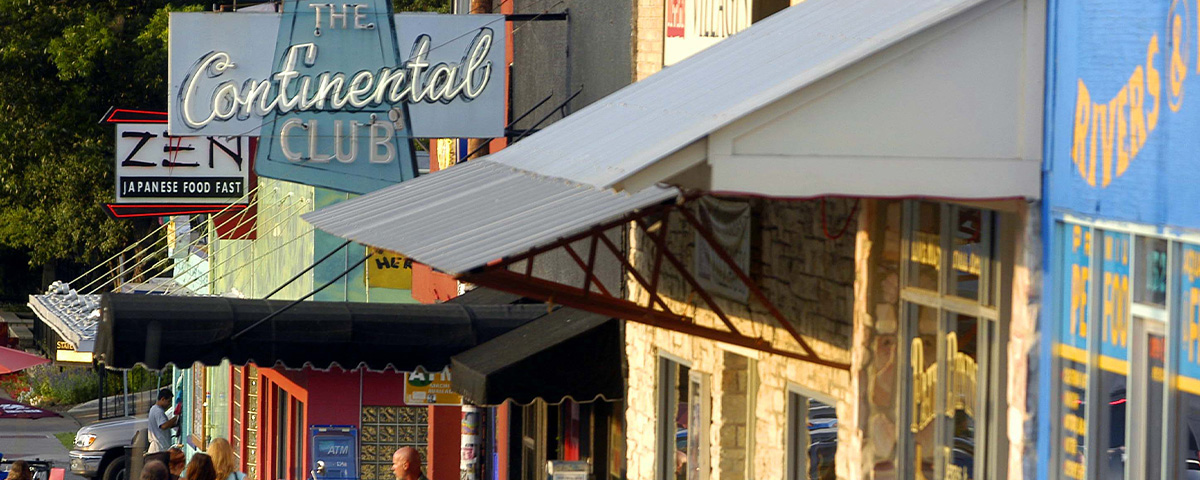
99	451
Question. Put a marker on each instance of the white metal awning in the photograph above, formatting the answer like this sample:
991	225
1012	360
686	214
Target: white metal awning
881	98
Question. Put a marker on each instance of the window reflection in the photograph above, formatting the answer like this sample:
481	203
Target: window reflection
925	246
967	258
822	437
1154	373
962	352
923	365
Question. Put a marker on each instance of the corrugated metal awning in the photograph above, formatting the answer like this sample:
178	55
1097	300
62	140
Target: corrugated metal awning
637	126
475	213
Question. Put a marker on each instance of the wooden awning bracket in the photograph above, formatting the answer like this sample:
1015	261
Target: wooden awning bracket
593	295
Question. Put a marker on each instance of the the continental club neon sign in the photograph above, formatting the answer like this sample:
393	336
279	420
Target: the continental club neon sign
290	91
346	88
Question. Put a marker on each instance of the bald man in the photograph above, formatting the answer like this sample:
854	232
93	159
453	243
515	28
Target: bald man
406	464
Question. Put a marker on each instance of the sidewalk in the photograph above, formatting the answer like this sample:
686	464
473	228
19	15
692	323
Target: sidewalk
23	438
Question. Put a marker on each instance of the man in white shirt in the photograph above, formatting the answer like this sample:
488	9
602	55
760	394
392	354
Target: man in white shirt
158	427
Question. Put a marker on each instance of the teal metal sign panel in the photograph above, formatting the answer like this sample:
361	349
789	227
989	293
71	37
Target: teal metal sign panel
351	137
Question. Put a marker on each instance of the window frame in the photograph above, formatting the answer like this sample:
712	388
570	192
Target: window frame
665	388
798	440
986	308
1144	319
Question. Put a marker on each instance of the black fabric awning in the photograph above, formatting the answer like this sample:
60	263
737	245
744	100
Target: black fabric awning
155	330
568	353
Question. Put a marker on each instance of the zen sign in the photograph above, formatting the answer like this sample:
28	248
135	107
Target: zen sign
154	167
344	89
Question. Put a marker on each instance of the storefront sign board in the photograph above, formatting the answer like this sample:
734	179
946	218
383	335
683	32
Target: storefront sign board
155	167
387	269
694	25
429	388
1126	104
344	89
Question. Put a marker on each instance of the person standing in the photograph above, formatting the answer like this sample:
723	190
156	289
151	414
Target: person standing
200	468
155	470
158	426
223	460
406	464
20	471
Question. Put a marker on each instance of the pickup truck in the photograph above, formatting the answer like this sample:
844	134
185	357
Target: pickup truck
99	450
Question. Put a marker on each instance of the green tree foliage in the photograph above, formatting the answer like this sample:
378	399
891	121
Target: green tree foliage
439	6
62	65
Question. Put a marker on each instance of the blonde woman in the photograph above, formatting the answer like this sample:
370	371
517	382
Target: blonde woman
224	461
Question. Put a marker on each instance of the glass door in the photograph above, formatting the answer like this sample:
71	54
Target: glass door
1147	386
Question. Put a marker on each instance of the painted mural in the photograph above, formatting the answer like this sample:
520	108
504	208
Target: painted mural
1125	113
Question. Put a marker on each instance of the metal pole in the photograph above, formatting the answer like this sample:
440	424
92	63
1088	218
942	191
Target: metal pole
125	389
480	146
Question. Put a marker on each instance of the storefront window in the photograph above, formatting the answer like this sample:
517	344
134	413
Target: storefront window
968	252
1150	272
699	411
1154	372
672	419
925	246
1073	350
812	438
962	353
1112	357
1186	458
1114	354
923	362
949	322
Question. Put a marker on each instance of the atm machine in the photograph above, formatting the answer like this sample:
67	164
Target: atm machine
334	452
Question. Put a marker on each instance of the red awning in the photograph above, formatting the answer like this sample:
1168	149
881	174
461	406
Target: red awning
16	360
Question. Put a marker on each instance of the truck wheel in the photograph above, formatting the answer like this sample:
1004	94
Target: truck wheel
116	470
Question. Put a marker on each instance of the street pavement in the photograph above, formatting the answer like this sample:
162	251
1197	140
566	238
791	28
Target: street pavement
29	439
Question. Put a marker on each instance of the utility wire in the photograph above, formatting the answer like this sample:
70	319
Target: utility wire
301	299
306	270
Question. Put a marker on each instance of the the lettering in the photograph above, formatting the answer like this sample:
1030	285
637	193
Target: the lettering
721	18
1114	132
1080	284
345	141
1074	378
1191	314
926	249
411	82
1115	307
962	383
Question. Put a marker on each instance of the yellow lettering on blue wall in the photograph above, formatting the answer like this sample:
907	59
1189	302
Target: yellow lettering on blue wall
1118	129
1178	68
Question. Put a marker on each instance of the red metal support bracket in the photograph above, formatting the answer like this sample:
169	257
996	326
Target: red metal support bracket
753	287
496	275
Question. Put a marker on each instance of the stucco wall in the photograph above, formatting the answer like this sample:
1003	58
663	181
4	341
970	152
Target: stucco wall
810	278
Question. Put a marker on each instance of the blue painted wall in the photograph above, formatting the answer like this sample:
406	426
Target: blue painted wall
1122	142
1124	111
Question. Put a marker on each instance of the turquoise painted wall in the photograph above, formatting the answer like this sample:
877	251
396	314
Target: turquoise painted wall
287	245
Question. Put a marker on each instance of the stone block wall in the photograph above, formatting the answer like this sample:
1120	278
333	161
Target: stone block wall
810	278
875	369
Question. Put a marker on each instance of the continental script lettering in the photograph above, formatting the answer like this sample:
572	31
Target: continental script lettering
288	91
